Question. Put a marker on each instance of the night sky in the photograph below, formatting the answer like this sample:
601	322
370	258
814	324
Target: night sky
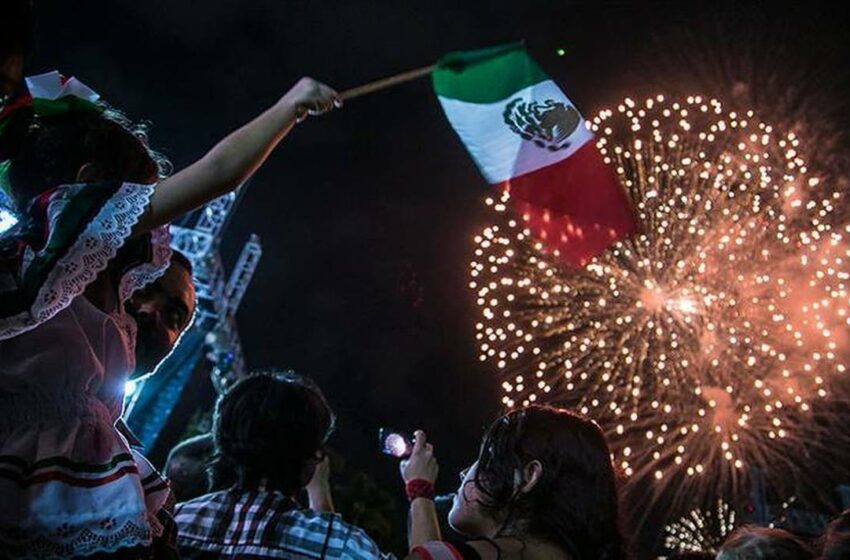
367	215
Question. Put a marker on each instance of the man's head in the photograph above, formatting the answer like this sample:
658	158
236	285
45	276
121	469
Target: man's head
186	467
162	310
270	427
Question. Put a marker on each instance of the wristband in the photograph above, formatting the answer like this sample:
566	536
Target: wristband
419	488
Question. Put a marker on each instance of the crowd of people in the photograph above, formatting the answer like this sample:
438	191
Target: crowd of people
91	296
542	486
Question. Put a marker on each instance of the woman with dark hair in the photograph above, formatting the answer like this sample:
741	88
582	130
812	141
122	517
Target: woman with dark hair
543	486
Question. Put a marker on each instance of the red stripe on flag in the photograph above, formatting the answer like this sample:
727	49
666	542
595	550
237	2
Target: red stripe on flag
576	206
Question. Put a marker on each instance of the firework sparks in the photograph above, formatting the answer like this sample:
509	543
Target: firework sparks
700	343
701	531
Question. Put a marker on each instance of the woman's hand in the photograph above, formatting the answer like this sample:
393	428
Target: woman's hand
421	464
309	97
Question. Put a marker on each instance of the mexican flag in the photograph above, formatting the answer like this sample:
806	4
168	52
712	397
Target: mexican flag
528	138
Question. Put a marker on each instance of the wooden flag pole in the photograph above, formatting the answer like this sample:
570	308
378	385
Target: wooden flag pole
385	83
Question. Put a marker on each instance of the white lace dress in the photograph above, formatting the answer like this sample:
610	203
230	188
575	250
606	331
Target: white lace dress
69	483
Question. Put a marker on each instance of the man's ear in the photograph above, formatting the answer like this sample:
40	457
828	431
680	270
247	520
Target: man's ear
88	173
532	472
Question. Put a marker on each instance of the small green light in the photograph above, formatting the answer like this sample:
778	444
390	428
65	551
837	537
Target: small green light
561	52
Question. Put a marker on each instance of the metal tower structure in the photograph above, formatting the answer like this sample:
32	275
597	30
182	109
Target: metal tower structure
212	342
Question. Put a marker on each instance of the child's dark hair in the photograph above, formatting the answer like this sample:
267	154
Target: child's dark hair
575	503
269	426
48	151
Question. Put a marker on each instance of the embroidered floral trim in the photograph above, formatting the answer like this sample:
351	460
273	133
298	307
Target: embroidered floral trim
146	273
67	541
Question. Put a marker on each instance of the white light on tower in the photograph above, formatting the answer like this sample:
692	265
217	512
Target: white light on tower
7	220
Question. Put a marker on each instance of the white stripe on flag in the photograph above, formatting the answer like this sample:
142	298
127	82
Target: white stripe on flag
50	86
499	152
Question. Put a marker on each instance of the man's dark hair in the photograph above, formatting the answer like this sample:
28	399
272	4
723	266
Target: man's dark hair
186	467
183	260
269	427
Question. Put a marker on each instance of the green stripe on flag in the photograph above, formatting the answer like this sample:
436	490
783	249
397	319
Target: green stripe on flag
486	75
63	105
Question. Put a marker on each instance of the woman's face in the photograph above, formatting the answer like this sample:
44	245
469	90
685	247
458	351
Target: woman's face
467	516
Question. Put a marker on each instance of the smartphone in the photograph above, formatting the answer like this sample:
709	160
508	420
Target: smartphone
394	443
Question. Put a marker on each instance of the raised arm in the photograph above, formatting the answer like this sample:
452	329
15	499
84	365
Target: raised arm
230	162
422	466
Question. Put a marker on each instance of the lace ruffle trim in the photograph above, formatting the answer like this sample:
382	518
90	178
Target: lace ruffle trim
67	541
146	273
90	254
